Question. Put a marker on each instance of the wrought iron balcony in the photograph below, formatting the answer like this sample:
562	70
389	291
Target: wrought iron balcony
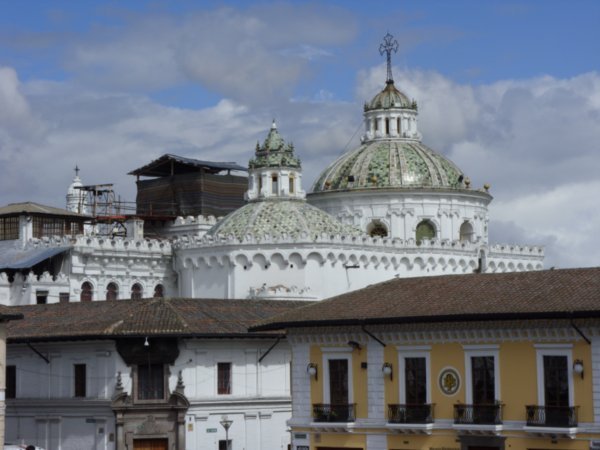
552	416
416	414
334	413
478	414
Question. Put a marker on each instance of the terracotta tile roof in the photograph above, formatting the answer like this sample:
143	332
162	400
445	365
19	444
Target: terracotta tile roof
507	296
145	317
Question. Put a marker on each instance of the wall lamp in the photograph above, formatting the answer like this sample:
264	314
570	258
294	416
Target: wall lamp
355	345
387	370
312	370
578	367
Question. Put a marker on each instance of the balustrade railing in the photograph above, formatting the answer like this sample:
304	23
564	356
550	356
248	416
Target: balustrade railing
407	413
478	414
334	412
551	416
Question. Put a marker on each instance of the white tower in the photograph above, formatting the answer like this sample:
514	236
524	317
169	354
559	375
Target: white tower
76	196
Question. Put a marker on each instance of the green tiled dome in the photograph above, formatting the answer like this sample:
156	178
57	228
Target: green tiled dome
279	218
390	97
385	164
274	152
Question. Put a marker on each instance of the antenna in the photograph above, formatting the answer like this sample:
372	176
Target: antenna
389	44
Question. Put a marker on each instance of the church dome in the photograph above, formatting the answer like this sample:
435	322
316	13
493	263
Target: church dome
390	97
280	218
392	163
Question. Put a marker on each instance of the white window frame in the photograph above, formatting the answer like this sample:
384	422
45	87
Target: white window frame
553	350
475	351
420	351
337	353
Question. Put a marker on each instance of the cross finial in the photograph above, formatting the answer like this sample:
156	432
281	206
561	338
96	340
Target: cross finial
76	170
389	44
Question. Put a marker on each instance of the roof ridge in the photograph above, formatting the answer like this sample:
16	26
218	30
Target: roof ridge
177	314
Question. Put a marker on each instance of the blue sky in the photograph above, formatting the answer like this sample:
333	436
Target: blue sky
468	41
510	91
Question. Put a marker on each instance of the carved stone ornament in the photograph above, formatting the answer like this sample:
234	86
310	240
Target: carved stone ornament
149	426
449	381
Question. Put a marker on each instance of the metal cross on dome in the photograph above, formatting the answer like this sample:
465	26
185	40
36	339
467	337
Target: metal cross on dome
389	44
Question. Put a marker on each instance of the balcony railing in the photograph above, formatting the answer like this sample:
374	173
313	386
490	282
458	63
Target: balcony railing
334	413
551	416
478	414
417	414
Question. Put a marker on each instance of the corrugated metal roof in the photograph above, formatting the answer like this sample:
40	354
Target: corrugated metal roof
36	208
162	166
13	256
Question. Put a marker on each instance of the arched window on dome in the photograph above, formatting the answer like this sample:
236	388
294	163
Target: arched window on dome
292	182
387	127
425	230
466	232
377	229
398	126
159	291
112	291
87	292
274	185
136	291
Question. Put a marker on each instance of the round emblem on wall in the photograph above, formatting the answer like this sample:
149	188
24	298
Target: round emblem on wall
449	380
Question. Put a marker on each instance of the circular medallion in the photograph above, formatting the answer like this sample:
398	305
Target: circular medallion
449	381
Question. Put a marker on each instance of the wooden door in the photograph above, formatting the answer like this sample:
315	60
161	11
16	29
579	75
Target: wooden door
150	444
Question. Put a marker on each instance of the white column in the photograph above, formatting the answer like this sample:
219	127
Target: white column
375	387
301	405
394	126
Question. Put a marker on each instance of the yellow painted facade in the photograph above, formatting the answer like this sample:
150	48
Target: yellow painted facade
517	368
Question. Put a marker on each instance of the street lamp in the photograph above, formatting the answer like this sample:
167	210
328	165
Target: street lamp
225	423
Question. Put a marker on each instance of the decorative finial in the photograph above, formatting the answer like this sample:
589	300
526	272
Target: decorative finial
273	125
119	386
76	170
389	44
180	386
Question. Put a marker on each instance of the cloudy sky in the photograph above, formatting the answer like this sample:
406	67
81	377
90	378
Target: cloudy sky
510	91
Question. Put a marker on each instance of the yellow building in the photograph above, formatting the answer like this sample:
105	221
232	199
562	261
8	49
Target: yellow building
494	361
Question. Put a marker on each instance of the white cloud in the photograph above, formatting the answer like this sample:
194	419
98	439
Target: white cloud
254	55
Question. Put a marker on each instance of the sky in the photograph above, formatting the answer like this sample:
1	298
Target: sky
509	91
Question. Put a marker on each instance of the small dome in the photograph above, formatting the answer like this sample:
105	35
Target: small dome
390	97
390	164
279	218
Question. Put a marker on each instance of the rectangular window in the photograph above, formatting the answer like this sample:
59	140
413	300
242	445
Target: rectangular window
151	382
224	378
292	181
482	376
79	371
11	381
556	381
63	297
415	381
338	381
274	185
41	297
223	444
9	228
